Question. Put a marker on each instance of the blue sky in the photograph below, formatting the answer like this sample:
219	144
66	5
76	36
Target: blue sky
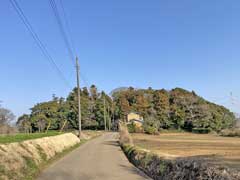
158	43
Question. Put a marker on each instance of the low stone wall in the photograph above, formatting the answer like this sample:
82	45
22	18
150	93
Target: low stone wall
160	168
17	159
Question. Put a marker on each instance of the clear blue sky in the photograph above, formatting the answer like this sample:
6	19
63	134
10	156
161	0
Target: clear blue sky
158	43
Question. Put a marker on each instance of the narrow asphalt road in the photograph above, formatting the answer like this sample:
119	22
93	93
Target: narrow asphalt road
101	158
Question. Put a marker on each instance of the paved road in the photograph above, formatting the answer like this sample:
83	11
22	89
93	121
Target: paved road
98	159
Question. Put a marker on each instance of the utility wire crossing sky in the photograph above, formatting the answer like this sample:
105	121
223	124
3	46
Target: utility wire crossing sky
162	44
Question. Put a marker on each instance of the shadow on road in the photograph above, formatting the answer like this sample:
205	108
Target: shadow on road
111	143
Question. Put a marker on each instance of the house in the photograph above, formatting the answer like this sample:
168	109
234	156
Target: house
135	118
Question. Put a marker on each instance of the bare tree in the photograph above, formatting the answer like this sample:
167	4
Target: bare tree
24	124
6	116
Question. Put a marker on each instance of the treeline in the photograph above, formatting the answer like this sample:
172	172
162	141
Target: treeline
174	109
161	109
62	114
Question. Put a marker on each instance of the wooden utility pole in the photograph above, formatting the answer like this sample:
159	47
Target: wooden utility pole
109	119
79	99
105	120
113	123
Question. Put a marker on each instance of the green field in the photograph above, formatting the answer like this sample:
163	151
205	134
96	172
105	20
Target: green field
223	151
4	139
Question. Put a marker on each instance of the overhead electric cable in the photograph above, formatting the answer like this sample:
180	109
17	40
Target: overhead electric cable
66	34
61	27
37	40
68	29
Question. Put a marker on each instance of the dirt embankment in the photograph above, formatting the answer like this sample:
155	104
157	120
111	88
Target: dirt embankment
19	159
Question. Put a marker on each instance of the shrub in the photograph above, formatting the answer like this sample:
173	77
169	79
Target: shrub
151	130
134	128
230	132
150	125
201	130
131	128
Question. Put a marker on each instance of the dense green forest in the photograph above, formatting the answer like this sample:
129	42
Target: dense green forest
174	109
60	113
161	109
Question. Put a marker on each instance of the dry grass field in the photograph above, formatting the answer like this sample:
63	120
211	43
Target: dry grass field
218	150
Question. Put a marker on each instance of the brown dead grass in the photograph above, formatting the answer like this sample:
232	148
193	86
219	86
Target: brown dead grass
224	151
125	137
18	159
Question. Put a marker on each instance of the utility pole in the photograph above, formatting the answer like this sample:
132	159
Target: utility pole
105	121
109	119
113	123
79	99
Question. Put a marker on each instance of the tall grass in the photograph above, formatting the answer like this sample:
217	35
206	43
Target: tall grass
125	137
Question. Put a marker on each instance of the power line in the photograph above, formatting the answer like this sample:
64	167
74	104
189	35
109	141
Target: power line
68	40
67	26
61	27
70	50
37	40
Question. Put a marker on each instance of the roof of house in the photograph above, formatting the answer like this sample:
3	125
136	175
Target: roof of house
137	120
133	112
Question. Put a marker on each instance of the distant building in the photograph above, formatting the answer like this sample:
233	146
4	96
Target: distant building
135	118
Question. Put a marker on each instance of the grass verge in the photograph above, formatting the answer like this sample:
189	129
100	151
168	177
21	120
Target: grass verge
4	139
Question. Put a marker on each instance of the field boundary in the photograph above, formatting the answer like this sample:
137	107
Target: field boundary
162	168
